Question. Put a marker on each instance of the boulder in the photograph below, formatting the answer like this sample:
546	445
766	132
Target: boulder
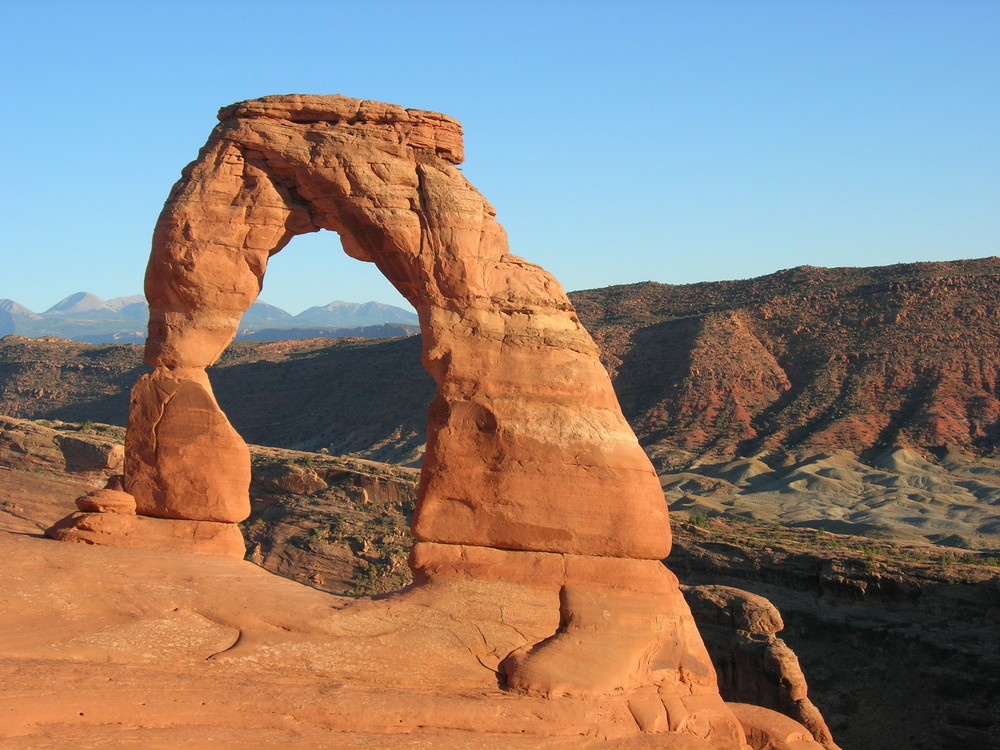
107	501
754	665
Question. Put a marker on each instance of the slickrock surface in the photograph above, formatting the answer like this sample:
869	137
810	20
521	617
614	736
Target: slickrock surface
165	649
539	518
857	612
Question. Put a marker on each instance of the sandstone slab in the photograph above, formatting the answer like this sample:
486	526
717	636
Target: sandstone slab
117	529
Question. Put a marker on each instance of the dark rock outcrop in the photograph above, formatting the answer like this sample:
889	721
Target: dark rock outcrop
755	666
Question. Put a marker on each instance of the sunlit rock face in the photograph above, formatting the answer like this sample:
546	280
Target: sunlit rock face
533	485
527	448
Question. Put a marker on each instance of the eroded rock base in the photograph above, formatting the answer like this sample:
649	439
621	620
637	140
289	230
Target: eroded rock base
420	665
616	626
115	530
108	517
224	649
768	730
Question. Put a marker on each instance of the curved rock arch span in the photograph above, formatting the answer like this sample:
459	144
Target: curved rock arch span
538	512
527	447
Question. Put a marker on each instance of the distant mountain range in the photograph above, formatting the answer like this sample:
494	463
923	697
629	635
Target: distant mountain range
88	318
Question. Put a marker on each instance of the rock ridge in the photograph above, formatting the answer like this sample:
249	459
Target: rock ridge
924	382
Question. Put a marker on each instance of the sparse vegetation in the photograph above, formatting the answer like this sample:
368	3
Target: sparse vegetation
698	519
891	557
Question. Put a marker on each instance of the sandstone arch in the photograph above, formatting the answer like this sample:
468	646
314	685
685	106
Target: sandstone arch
527	447
535	496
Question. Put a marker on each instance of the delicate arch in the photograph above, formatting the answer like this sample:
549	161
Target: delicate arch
527	448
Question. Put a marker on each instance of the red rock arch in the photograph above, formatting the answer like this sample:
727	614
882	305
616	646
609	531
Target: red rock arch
527	448
535	495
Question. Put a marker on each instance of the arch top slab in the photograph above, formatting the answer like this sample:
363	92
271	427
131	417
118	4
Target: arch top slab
527	447
422	130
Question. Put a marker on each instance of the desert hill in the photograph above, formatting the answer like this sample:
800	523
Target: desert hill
352	396
856	400
815	359
809	359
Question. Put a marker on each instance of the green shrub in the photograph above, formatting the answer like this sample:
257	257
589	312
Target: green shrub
698	519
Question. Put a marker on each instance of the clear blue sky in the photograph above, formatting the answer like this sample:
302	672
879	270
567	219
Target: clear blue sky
624	141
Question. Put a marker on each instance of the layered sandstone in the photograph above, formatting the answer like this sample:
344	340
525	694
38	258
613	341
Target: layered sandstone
32	447
534	491
527	447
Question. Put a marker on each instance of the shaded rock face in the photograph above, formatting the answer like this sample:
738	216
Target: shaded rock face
861	615
754	665
27	446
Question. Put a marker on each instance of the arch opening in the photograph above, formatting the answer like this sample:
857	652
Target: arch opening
294	275
362	397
